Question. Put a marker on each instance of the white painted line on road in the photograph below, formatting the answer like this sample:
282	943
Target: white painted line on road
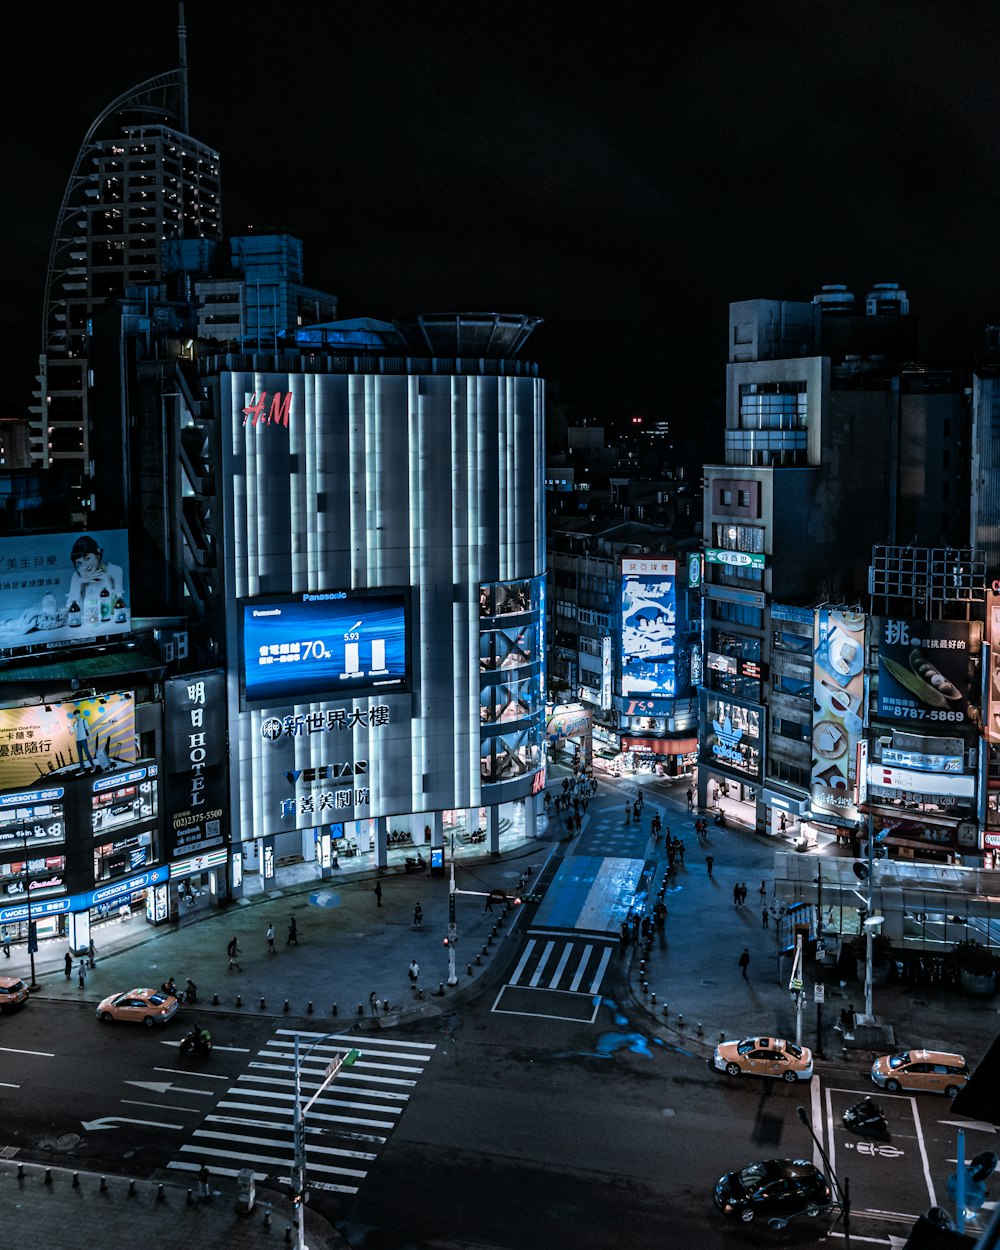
817	1120
7	1085
161	1087
286	1098
537	976
236	1154
561	966
222	1135
522	961
388	1095
270	1124
181	1166
325	1185
601	969
574	985
831	1148
40	1054
206	1076
256	1065
162	1106
923	1153
351	1042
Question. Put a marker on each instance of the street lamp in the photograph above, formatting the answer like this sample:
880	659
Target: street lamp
841	1192
298	1123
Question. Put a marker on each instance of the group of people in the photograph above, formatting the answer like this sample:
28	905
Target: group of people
740	894
633	810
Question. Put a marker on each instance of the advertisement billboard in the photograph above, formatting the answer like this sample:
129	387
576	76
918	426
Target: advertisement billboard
46	740
733	735
649	627
926	671
839	707
992	717
195	722
313	646
57	589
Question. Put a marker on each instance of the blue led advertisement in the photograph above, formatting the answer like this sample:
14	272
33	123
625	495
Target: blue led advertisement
317	646
649	627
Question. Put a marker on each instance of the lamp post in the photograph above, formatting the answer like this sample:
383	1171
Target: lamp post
298	1123
819	879
841	1192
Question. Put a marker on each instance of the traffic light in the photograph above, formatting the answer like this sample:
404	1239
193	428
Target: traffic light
529	898
446	941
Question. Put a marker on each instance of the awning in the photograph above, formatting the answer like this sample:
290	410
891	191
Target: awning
108	664
660	746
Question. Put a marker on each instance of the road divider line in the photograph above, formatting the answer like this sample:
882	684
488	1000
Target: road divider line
923	1153
574	985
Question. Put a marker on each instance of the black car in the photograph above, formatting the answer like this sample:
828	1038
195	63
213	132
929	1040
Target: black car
773	1188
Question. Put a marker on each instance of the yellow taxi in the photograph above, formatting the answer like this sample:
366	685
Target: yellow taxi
935	1070
146	1007
13	993
764	1056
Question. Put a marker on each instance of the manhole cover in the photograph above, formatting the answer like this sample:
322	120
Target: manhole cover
68	1141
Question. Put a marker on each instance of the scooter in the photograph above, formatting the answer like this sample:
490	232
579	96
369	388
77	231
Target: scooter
415	863
198	1042
866	1117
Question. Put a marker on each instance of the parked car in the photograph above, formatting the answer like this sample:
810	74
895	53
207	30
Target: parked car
764	1056
936	1070
146	1007
13	993
773	1188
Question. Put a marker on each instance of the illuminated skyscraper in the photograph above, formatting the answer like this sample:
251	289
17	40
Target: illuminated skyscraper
138	179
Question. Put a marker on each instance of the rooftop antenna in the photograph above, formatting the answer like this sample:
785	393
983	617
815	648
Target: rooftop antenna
183	62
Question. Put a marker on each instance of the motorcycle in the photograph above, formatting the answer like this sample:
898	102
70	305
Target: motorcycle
415	863
198	1042
866	1117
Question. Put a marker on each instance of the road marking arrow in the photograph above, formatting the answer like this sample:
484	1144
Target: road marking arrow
161	1087
979	1124
116	1121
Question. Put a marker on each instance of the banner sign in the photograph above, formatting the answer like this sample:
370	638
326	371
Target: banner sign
733	735
63	588
649	627
735	559
44	740
195	721
925	671
838	702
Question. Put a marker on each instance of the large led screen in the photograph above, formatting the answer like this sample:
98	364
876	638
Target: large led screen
839	707
649	627
63	588
322	645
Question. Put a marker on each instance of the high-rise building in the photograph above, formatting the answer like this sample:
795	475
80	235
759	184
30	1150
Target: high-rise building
138	180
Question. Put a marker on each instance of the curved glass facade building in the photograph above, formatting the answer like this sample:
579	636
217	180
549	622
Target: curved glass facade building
384	552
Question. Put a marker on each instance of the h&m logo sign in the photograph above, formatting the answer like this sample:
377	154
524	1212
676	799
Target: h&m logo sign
277	414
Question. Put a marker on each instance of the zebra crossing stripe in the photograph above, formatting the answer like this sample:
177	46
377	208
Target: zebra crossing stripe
541	964
522	961
581	967
601	969
561	966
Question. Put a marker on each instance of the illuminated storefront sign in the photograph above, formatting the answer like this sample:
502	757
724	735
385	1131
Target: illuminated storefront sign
277	414
649	627
992	726
733	735
909	781
87	735
734	559
921	762
63	588
196	753
838	700
273	728
104	894
926	671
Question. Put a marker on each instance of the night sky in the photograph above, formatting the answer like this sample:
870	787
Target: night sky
618	170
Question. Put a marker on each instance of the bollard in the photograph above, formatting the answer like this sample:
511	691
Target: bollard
190	1198
267	1217
484	951
334	1010
285	1008
699	1029
361	1010
440	989
680	1018
722	1035
262	1003
239	1000
653	998
489	940
48	1178
494	930
645	987
131	1189
20	1171
468	969
76	1180
288	1234
215	1000
479	961
161	1194
309	1008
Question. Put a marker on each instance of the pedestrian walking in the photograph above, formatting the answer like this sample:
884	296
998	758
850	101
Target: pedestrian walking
763	891
418	917
593	785
489	904
743	893
635	930
378	893
690	798
413	972
270	940
293	932
744	963
373	1003
736	894
764	918
5	939
783	822
709	861
68	965
81	974
233	950
628	811
92	953
203	1178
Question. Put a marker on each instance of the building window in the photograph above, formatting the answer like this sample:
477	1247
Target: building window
725	498
748	538
773	406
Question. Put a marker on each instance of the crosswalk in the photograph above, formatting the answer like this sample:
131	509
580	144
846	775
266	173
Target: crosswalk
345	1129
560	961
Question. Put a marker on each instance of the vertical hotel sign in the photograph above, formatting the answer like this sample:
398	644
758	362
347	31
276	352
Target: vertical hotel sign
196	757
